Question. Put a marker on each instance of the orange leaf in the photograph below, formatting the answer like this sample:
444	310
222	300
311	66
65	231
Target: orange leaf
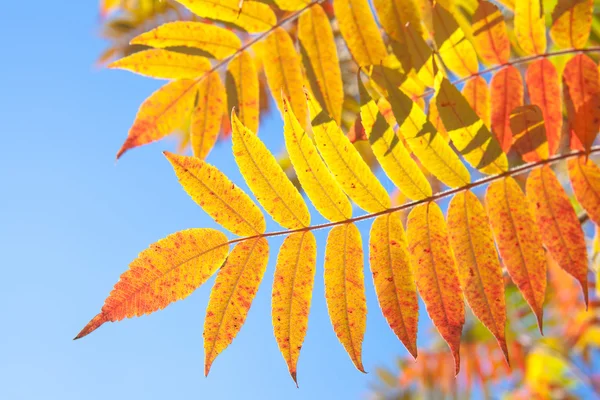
543	86
585	180
519	241
455	50
581	86
169	270
160	114
283	68
507	94
436	273
479	270
345	289
529	133
571	23
393	278
231	296
477	93
292	294
243	90
558	223
489	34
207	117
530	26
163	64
359	30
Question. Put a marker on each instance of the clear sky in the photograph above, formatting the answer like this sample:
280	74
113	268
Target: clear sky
71	220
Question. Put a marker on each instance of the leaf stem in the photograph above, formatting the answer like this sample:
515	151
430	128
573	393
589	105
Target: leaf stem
512	172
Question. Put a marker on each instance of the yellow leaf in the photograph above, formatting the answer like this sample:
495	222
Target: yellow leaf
346	163
284	72
266	179
571	23
169	270
160	114
345	289
558	223
530	26
319	184
395	14
214	40
489	34
206	119
292	294
430	148
467	131
455	50
360	31
436	274
479	270
519	241
243	90
226	203
316	38
393	278
163	64
395	160
231	296
292	5
253	17
421	56
585	180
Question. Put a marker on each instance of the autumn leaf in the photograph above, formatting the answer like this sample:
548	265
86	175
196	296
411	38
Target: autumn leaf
226	203
571	23
479	270
387	146
489	34
169	270
215	41
160	114
345	162
208	114
243	89
455	50
251	16
292	5
581	86
345	289
318	182
163	64
436	274
395	14
231	297
477	94
530	26
507	94
559	226
266	179
317	40
393	278
360	31
519	242
543	87
529	133
585	180
421	56
292	294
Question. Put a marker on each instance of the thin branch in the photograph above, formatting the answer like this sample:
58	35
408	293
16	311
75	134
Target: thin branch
512	172
258	38
516	61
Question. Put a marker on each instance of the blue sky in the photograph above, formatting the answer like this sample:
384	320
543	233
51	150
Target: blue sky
71	220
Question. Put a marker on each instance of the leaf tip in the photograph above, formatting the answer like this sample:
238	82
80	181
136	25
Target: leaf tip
94	324
294	377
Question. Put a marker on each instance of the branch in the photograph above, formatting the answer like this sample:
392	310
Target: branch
512	172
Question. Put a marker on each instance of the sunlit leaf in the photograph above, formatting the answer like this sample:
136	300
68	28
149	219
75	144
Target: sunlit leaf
530	26
489	33
243	90
251	16
163	64
585	180
529	133
571	23
208	114
507	94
